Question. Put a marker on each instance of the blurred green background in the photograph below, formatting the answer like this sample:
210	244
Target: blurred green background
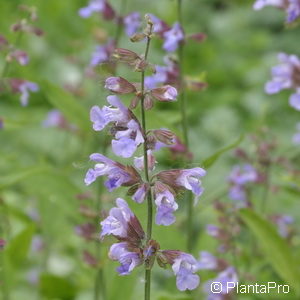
42	169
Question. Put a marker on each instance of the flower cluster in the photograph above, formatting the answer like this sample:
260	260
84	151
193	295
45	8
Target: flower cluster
129	134
291	7
286	76
132	249
13	53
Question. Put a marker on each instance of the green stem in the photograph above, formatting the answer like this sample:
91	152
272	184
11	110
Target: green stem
149	195
266	188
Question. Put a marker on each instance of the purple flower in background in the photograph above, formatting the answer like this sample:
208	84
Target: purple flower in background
20	56
213	230
132	22
93	6
207	261
117	221
159	26
23	87
128	260
184	267
286	76
283	223
160	76
238	178
292	7
228	275
173	38
102	53
116	173
242	175
165	206
296	137
259	4
190	179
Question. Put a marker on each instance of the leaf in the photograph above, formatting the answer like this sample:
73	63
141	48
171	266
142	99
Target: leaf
68	105
275	248
19	175
209	161
17	248
57	287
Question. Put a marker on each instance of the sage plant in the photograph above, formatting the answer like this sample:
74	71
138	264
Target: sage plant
136	247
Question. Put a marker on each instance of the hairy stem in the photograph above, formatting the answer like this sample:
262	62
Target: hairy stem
149	195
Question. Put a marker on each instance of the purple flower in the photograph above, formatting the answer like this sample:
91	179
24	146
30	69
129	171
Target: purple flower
140	194
132	22
189	178
293	10
283	223
184	267
207	261
228	275
102	53
93	6
173	38
127	131
54	119
295	100
286	76
160	76
296	137
165	206
242	175
128	260
117	221
213	230
115	172
20	56
259	4
159	26
23	87
237	193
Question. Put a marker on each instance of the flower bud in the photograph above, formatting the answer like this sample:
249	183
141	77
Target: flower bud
137	37
165	93
148	102
134	102
165	136
119	85
198	37
140	65
125	56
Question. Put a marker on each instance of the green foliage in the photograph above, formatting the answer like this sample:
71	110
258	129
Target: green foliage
18	247
56	287
276	250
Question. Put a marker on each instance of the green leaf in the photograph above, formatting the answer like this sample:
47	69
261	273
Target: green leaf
57	287
68	105
17	248
209	161
19	175
276	249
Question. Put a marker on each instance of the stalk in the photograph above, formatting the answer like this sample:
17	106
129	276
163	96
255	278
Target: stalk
149	195
184	126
